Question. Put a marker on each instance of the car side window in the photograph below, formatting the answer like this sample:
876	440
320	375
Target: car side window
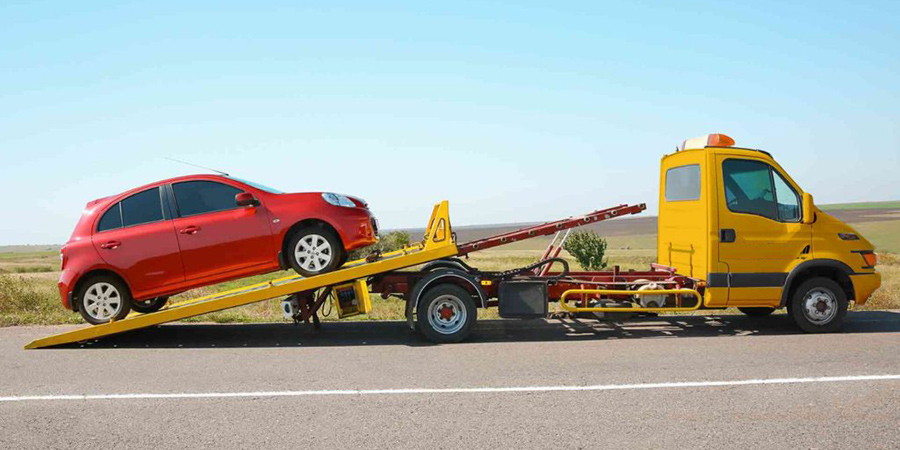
199	197
787	199
143	207
748	187
111	219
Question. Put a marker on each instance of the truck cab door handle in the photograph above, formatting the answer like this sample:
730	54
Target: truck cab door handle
192	229
111	245
727	235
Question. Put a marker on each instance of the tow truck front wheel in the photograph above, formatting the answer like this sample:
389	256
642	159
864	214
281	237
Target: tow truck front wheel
446	314
819	305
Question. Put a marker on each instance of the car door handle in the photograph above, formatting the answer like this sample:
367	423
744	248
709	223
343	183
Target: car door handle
727	235
111	245
193	229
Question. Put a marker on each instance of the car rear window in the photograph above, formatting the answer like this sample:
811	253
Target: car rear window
143	207
198	197
111	219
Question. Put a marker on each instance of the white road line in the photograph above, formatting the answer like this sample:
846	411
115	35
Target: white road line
476	390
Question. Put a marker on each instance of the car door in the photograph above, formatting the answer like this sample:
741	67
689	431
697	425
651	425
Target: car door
760	234
137	237
217	236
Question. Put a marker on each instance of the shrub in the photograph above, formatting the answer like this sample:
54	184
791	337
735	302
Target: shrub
588	248
388	242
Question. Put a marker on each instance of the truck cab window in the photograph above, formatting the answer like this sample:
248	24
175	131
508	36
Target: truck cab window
748	187
683	183
787	199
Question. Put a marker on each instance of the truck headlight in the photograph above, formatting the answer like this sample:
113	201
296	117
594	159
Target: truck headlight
338	200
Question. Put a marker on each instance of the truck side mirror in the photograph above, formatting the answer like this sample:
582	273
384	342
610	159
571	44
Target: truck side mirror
809	215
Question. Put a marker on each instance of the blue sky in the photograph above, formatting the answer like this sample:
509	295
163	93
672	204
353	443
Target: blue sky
518	112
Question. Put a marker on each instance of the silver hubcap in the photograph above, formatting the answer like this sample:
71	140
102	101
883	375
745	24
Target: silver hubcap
313	253
820	306
446	314
102	301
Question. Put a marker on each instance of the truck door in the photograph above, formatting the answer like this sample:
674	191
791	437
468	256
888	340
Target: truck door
760	234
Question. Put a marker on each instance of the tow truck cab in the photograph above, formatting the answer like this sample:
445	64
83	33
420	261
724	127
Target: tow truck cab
734	218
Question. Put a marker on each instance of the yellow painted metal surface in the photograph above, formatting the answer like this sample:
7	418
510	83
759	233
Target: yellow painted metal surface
563	300
765	249
437	244
360	291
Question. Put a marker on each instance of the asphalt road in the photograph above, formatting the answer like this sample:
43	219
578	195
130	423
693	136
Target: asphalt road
280	386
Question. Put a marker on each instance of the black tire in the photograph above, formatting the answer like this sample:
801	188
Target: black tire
830	317
95	292
150	305
458	302
757	311
318	235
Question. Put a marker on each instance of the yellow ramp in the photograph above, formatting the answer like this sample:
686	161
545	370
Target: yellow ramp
438	243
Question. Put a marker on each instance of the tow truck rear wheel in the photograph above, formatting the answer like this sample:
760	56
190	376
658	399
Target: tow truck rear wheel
819	305
757	312
446	314
149	305
314	250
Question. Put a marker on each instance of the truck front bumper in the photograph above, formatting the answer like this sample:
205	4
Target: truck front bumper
864	284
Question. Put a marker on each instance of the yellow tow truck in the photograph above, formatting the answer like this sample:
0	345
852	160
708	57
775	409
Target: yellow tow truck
734	231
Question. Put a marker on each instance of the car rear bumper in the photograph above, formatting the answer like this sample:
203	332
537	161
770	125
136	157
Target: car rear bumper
864	285
66	287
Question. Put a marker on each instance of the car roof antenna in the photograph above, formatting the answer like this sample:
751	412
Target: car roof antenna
197	165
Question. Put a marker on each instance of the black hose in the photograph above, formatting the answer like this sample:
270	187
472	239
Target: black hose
513	272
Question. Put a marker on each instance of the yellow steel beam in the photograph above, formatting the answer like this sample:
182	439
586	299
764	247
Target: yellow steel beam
438	243
564	298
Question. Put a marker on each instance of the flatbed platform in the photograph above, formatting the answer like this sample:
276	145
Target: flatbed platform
438	243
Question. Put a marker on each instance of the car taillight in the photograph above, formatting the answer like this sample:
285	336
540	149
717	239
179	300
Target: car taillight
62	258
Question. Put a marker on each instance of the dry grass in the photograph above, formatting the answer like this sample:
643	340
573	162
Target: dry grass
888	296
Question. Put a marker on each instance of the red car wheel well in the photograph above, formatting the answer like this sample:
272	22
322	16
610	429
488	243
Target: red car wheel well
90	275
308	223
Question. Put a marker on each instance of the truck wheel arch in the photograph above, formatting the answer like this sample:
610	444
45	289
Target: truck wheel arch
440	276
829	268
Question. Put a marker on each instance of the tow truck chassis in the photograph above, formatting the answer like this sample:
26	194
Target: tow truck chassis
451	288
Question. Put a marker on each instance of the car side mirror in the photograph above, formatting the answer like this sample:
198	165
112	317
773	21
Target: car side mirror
809	211
246	199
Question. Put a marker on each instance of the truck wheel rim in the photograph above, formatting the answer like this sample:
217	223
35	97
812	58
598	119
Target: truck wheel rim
313	253
102	301
820	306
447	314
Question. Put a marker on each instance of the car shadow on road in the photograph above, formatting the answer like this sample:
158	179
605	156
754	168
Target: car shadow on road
337	334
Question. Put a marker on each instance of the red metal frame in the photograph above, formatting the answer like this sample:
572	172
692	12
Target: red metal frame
402	283
548	228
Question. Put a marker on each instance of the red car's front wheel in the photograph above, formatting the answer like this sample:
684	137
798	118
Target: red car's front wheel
314	250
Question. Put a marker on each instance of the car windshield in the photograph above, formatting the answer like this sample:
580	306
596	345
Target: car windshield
259	186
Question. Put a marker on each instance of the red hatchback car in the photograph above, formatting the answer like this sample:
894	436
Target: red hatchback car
133	250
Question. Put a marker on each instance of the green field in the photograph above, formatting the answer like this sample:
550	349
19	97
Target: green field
892	204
